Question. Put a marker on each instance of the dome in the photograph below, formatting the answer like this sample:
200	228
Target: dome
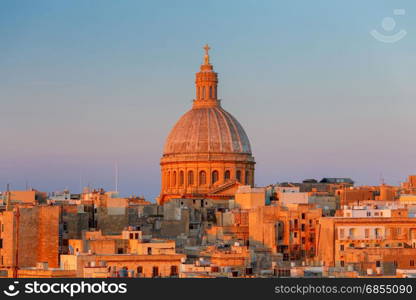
207	154
207	130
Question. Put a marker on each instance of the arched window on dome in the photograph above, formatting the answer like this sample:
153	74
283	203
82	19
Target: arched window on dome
181	178
238	175
247	181
168	180
202	177
190	177
210	92
174	179
214	176
227	175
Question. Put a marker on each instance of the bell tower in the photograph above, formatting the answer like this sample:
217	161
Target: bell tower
206	82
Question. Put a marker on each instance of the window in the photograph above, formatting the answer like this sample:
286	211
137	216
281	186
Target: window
412	263
173	271
303	240
303	216
342	263
214	176
168	180
295	234
155	271
341	247
227	175
238	176
202	177
368	214
247	178
1	243
367	233
203	92
136	236
181	178
174	178
190	177
131	236
120	251
341	233
149	251
302	227
210	92
215	92
378	264
139	270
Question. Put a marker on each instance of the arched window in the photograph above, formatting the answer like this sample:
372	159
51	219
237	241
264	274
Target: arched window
247	178
210	92
238	175
181	178
202	177
168	180
214	176
227	175
174	179
190	177
203	92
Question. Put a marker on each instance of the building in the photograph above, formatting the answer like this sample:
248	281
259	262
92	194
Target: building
29	235
128	254
207	154
289	230
370	244
248	197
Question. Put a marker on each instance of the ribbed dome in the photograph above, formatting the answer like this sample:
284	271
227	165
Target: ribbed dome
207	130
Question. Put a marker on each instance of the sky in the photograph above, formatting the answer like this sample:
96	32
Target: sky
86	85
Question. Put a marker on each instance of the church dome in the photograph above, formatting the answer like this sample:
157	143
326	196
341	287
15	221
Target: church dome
207	154
207	130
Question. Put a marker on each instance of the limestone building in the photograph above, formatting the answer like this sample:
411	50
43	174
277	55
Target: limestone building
207	153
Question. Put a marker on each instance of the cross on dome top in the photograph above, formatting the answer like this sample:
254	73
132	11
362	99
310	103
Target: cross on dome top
206	57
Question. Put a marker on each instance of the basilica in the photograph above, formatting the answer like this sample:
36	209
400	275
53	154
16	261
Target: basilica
207	154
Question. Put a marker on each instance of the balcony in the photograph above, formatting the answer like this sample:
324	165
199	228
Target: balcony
362	237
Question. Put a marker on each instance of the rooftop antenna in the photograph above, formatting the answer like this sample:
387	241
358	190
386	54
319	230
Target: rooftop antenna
80	181
8	196
381	179
116	176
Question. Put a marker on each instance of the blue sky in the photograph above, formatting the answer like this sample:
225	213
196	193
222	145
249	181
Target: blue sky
84	84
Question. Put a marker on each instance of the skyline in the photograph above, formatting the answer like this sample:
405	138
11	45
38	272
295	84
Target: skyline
79	96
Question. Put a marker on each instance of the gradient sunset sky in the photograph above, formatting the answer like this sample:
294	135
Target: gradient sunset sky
85	84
